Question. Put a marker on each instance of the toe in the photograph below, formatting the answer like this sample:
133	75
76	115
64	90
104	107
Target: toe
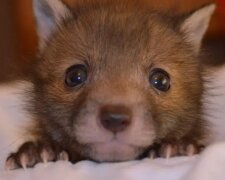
27	156
10	163
63	156
152	154
46	153
191	150
168	150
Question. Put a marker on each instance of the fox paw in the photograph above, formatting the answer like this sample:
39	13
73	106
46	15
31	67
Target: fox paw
30	153
168	150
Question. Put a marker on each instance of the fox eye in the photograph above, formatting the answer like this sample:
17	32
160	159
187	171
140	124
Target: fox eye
76	75
160	79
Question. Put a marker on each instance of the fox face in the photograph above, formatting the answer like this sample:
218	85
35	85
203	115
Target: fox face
112	77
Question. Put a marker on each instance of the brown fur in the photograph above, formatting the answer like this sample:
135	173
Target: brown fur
120	43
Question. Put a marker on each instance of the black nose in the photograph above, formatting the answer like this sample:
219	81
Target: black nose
115	118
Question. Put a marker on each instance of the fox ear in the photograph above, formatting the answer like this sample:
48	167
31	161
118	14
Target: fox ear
195	25
49	15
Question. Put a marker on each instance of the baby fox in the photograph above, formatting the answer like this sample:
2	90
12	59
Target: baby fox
114	81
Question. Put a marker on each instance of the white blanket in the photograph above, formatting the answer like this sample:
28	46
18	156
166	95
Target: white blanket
210	165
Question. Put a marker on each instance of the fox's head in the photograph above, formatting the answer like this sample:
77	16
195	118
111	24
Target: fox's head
114	77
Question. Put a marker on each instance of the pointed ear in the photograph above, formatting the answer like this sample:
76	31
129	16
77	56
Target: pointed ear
195	25
49	15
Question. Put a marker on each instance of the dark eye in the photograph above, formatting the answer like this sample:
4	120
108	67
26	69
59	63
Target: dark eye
76	75
160	79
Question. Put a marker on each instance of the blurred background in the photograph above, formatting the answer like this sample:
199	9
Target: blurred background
18	40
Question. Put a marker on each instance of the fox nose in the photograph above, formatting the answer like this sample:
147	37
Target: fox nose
115	118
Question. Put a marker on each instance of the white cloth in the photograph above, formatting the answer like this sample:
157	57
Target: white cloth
208	166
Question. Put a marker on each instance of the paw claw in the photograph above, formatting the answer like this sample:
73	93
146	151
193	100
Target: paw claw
44	156
47	155
191	150
168	150
30	153
64	156
152	154
24	160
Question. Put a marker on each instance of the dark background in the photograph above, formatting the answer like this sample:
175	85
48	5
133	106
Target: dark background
18	41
